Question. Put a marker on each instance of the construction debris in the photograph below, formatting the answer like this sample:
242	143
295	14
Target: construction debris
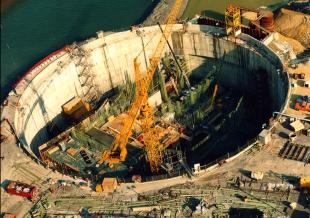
257	175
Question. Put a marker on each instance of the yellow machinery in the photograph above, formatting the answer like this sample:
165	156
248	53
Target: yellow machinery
233	20
140	108
107	185
76	108
304	182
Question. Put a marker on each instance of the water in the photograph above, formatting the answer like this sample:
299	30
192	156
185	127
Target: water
31	29
215	8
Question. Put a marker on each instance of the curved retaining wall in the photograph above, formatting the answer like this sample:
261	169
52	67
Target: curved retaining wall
39	96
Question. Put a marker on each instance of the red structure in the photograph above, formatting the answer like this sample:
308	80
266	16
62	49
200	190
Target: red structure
267	20
303	106
9	215
65	48
22	189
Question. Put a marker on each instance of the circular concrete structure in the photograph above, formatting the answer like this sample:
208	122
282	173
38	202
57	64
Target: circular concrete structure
39	96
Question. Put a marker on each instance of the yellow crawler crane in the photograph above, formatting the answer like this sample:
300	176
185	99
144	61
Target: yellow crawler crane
118	151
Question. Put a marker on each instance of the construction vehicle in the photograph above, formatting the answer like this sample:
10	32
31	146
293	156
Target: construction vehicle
303	103
22	189
141	109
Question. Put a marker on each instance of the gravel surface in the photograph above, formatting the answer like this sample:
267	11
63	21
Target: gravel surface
294	25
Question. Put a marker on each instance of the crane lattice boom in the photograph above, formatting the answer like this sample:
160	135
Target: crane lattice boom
118	150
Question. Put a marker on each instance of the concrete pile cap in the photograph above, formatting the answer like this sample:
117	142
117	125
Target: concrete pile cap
297	125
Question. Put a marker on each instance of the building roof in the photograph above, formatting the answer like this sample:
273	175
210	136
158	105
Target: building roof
297	125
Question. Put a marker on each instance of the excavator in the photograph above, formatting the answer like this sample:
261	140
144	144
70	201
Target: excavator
140	109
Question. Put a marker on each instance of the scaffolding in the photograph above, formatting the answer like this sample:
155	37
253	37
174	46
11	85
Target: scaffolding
118	152
90	91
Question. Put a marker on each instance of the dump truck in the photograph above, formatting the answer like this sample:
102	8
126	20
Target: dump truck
22	189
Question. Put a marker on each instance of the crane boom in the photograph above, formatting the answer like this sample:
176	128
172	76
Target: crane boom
118	150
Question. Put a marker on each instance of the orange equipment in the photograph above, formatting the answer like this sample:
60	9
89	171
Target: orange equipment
107	185
214	94
303	106
118	151
304	182
9	215
76	108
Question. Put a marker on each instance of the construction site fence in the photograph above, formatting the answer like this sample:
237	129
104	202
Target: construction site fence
222	159
164	176
218	161
154	177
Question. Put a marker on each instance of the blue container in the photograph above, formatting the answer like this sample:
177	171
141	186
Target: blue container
299	99
307	98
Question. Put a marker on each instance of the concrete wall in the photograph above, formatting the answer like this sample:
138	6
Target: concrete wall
241	62
111	57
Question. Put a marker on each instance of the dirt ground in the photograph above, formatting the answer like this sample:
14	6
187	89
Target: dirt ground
15	165
294	25
266	160
297	46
